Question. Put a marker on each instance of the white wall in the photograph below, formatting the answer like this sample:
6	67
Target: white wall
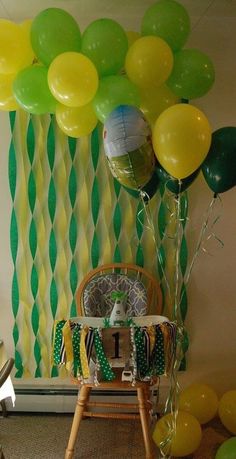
212	288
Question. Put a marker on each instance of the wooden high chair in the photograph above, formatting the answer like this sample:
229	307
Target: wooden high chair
147	289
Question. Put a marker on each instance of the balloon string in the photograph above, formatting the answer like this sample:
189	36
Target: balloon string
177	315
150	226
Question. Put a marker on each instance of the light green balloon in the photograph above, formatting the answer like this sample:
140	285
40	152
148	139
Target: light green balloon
114	91
31	90
105	43
169	20
193	74
227	450
53	32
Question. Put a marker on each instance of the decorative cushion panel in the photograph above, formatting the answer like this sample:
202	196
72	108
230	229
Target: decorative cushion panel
97	295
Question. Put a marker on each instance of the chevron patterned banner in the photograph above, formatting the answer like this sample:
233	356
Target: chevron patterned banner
68	216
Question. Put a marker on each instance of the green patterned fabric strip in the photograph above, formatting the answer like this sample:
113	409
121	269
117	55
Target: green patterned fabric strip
58	342
106	371
142	364
76	351
158	354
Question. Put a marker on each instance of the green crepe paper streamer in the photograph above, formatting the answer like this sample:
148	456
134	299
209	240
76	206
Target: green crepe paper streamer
51	146
184	208
161	261
95	251
139	228
117	221
15	334
117	187
73	308
34	281
52	200
31	191
30	141
33	239
12	170
95	204
54	372
183	256
12	118
73	233
72	187
35	318
52	250
73	277
53	297
37	356
117	255
183	364
95	147
18	365
139	256
15	299
139	220
72	142
14	236
162	220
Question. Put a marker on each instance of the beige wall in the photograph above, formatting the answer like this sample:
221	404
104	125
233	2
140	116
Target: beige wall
212	287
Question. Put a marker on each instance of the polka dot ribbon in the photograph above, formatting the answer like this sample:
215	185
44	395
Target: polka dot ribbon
141	355
58	343
157	366
107	373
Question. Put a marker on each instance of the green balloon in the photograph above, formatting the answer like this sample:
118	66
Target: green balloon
114	91
219	167
227	450
172	183
193	74
31	90
106	44
53	32
169	20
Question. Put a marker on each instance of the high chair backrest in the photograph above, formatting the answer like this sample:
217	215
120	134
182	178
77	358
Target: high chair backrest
142	291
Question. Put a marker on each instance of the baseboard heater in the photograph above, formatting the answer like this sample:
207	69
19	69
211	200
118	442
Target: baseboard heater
58	400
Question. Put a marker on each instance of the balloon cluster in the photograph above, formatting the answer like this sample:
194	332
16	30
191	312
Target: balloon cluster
198	404
48	66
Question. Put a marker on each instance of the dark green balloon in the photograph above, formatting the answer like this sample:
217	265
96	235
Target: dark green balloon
149	189
219	167
172	183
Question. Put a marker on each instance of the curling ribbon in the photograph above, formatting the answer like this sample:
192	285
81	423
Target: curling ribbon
83	354
107	373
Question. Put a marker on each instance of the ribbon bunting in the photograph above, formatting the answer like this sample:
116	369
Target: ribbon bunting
154	350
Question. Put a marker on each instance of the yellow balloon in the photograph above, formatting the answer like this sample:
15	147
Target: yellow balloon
184	440
76	121
15	47
155	100
73	79
7	100
227	410
200	400
132	36
181	139
149	62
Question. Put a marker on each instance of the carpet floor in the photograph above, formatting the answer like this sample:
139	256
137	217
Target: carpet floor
45	437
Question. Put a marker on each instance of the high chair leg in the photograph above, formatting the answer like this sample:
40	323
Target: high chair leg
144	417
80	407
